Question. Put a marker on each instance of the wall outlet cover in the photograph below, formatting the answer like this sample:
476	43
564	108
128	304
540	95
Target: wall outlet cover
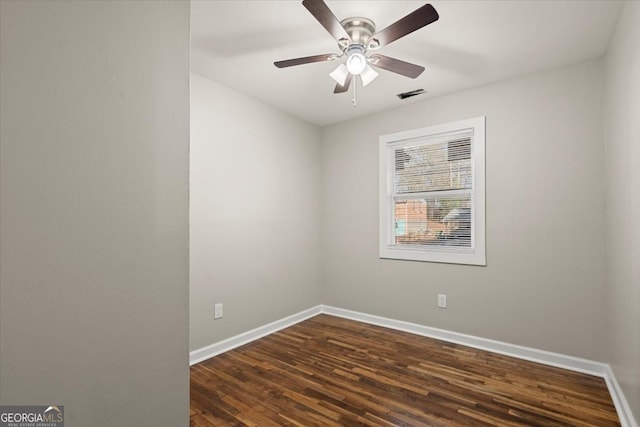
442	301
217	311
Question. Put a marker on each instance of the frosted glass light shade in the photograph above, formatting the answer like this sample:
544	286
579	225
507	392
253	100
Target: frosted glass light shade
368	75
356	63
340	74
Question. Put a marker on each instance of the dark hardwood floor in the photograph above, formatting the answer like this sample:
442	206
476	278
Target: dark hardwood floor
328	371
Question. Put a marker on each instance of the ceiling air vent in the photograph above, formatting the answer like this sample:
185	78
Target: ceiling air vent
405	95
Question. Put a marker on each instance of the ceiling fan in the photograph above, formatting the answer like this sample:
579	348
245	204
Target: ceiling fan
356	37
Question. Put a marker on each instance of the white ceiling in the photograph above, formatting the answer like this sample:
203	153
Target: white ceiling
473	43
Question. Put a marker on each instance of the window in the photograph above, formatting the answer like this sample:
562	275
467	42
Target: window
432	194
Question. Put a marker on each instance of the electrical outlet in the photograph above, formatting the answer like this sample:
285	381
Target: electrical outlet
217	311
442	301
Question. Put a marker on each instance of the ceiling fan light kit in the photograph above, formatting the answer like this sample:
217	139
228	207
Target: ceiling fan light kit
356	61
355	37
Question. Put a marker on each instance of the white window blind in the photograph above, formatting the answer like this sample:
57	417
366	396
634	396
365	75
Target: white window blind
431	183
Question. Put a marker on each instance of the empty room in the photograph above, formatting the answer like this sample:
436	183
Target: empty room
319	213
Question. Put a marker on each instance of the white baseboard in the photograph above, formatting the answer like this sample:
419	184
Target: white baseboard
223	346
571	363
622	406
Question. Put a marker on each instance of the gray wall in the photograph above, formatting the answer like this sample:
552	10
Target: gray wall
543	285
255	213
622	142
94	210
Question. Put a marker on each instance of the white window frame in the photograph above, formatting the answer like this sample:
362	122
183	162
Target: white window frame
473	256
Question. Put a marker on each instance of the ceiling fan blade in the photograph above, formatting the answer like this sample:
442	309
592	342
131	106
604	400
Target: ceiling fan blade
410	23
345	87
305	60
326	18
396	66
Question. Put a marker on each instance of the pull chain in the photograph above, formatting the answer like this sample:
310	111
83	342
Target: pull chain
353	100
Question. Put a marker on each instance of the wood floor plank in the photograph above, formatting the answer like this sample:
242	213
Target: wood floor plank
329	371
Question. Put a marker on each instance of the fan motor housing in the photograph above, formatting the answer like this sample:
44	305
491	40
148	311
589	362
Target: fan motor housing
359	29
